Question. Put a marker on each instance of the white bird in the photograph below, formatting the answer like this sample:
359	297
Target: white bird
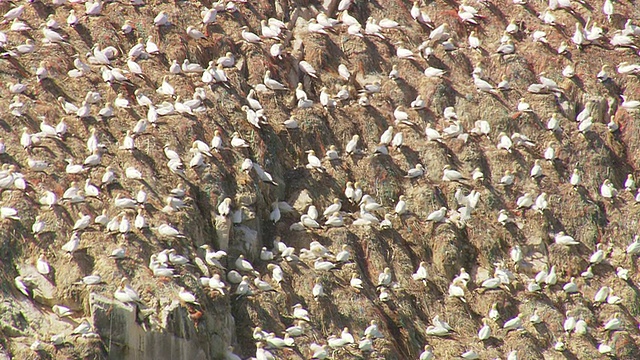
451	175
186	296
300	313
513	324
82	223
432	72
313	162
237	141
73	244
169	231
427	354
485	331
634	247
629	104
355	282
404	53
161	19
579	38
525	201
421	273
401	116
607	190
438	215
307	68
630	183
504	142
597	255
271	83
415	172
42	265
571	287
613	324
482	85
343	71
563	239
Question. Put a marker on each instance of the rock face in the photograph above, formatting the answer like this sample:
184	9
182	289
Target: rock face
162	327
178	337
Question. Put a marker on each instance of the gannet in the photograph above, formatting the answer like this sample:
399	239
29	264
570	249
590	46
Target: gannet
319	352
504	142
307	68
563	239
262	285
516	253
415	172
243	265
536	169
72	245
128	143
432	134
366	344
613	324
613	299
139	221
427	354
438	215
439	328
483	86
485	331
243	286
627	69
82	223
432	72
597	255
42	265
513	324
401	116
622	273
332	154
169	231
394	74
313	162
320	265
355	282
404	53
451	175
384	278
401	206
316	27
343	71
634	247
629	104
61	311
607	190
300	313
237	141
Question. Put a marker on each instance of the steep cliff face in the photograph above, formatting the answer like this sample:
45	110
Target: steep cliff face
180	338
161	326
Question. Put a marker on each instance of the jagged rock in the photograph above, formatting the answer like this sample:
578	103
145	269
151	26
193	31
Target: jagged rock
301	201
44	291
246	199
12	321
249	240
177	339
223	231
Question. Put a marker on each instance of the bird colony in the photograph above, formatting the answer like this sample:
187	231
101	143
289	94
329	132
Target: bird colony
347	179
